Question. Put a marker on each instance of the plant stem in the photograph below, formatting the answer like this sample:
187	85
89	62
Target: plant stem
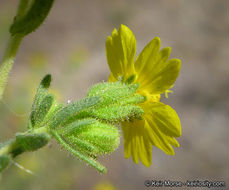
11	50
22	7
11	145
8	61
7	146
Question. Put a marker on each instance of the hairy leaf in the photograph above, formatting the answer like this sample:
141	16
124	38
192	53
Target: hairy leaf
32	19
38	115
42	92
71	109
72	127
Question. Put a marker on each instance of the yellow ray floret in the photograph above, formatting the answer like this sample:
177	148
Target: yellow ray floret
155	74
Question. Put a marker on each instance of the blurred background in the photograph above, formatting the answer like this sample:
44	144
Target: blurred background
70	46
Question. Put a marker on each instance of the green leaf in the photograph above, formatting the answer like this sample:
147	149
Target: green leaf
72	109
112	92
91	137
135	99
38	115
55	108
42	91
72	127
92	162
117	113
104	137
4	161
32	142
118	102
32	19
83	146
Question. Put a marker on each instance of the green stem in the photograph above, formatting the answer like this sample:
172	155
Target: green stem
31	140
12	145
8	61
22	8
11	50
6	147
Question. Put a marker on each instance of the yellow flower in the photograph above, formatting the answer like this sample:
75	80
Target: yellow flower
155	74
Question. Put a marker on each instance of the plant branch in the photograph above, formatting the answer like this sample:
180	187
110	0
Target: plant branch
8	61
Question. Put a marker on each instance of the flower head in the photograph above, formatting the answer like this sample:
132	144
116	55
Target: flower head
155	74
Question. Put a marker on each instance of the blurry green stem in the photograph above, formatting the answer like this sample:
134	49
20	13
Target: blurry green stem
7	146
8	61
22	7
12	48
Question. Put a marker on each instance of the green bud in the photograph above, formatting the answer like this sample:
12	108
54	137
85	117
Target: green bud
135	99
84	127
83	146
112	92
4	161
119	102
89	159
117	113
88	138
97	138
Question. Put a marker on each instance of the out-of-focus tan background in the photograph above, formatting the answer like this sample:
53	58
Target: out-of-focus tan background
70	46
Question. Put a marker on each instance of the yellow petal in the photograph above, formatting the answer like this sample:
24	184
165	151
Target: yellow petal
112	78
146	150
147	59
157	138
173	142
166	119
127	138
154	72
136	142
135	148
120	51
163	77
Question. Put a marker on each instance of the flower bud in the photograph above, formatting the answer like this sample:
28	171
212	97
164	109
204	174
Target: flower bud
113	92
97	138
119	102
